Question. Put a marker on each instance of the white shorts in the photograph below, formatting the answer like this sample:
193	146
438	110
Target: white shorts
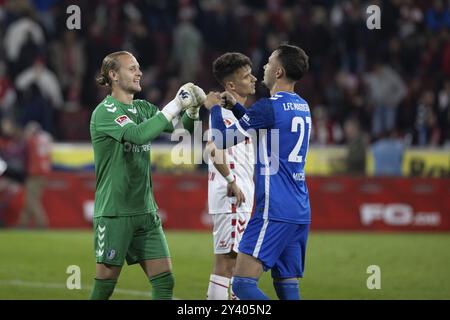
228	230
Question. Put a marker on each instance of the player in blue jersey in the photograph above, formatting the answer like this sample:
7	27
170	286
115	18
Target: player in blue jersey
276	235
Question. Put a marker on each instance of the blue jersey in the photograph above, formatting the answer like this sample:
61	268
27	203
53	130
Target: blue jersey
282	127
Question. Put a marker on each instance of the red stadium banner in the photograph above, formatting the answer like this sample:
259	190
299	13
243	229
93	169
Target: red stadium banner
338	203
386	204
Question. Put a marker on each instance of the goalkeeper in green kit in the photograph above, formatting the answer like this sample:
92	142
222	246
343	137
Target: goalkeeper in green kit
126	223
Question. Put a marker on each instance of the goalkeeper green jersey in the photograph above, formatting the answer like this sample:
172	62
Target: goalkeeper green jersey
122	163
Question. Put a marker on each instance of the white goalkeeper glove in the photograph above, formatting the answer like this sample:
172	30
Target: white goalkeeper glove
200	97
184	99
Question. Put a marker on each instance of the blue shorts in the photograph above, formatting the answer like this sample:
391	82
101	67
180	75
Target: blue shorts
280	246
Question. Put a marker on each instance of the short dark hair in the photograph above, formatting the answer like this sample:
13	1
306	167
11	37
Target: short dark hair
228	63
294	61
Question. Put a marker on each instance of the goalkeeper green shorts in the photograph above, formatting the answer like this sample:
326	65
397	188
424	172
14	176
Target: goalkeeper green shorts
135	238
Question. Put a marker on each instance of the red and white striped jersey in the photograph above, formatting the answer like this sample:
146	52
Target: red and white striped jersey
240	159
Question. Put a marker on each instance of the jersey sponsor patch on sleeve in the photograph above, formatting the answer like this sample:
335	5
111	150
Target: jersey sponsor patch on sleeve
246	118
123	120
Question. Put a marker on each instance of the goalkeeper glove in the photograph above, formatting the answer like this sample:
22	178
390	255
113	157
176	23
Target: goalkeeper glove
200	97
184	99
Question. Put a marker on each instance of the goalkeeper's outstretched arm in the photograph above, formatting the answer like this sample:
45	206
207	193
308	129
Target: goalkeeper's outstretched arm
186	98
146	131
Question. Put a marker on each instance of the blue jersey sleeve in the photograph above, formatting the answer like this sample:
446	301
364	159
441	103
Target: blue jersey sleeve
238	110
258	116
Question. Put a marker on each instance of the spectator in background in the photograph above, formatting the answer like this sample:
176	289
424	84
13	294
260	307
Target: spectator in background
12	151
444	111
23	37
7	93
39	94
350	34
388	154
355	161
12	163
187	44
325	131
68	61
38	164
352	103
438	16
386	90
427	129
45	14
219	27
411	16
44	78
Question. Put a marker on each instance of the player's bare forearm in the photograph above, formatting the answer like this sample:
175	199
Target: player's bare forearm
219	161
218	158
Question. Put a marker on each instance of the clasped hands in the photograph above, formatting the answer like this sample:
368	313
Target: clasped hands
224	99
190	98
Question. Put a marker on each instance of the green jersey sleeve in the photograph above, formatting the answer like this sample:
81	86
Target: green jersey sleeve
146	131
187	122
154	110
111	123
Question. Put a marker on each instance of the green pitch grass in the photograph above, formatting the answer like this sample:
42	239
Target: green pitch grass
413	266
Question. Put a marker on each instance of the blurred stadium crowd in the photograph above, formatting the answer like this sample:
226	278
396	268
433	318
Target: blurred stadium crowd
395	80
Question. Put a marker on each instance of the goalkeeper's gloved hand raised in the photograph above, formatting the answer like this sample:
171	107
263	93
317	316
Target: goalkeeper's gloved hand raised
200	97
184	99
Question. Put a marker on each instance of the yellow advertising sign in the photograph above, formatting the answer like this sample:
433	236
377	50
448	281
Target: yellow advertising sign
321	161
427	163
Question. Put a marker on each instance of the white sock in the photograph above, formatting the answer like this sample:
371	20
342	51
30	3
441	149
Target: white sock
218	288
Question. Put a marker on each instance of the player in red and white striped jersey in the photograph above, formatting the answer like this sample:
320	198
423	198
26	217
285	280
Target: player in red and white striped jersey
230	178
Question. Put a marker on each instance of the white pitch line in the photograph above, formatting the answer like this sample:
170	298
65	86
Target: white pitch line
22	283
